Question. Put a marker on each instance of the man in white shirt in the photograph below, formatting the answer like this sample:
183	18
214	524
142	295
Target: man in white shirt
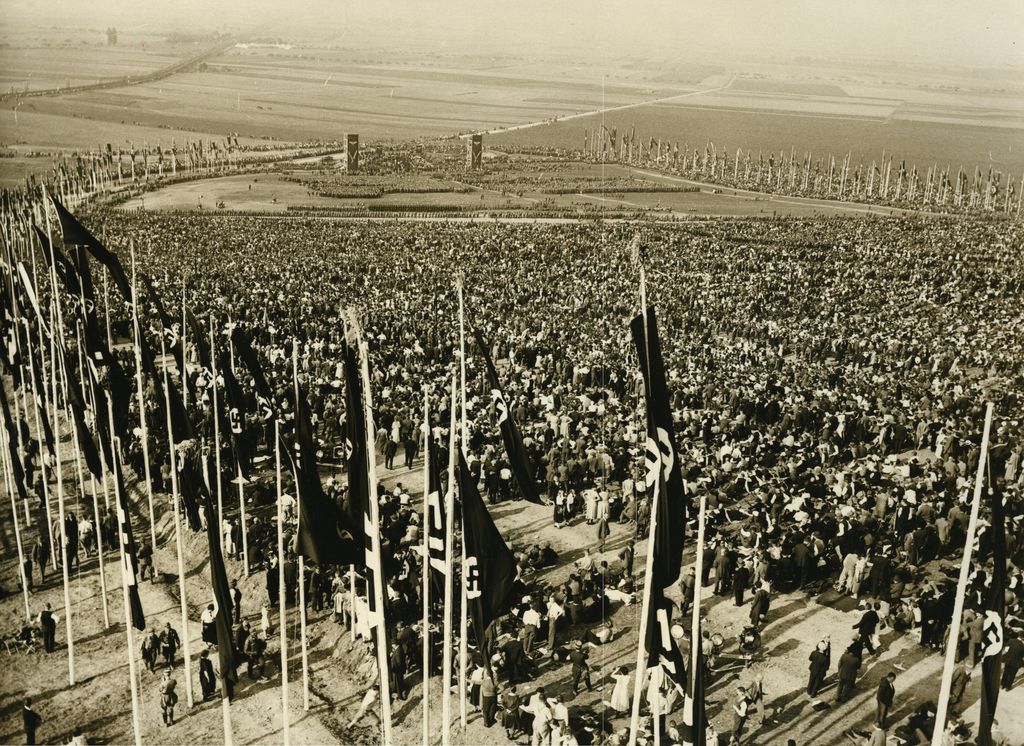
531	623
555	612
542	717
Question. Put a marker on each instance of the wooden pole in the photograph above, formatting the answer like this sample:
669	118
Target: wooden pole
185	637
352	600
141	399
645	610
449	577
425	574
241	496
641	652
374	561
57	469
216	439
464	445
129	630
302	563
9	484
281	596
99	552
953	639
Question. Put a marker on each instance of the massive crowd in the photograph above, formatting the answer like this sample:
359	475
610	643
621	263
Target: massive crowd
827	378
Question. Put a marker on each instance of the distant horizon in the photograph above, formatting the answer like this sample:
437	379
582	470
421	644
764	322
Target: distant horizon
985	36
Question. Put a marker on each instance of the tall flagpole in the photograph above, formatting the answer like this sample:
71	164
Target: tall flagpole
281	596
137	331
241	494
464	445
8	483
216	439
374	562
697	718
302	562
129	631
655	452
58	469
177	531
449	577
425	574
961	589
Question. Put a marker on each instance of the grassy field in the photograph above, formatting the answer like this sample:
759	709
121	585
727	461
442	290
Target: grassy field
691	122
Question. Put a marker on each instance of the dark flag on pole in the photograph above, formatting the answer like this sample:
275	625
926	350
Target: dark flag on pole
355	443
130	563
222	595
661	442
993	629
510	435
325	536
236	415
12	446
76	234
171	330
247	354
436	519
490	566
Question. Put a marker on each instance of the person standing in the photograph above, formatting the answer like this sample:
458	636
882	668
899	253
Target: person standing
867	625
488	698
621	701
169	642
740	580
32	721
207	680
209	624
884	698
849	665
555	612
1013	659
821	661
48	624
580	668
168	697
739	714
531	623
40	554
236	602
759	604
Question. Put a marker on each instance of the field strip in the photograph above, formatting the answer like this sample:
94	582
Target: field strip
130	80
528	125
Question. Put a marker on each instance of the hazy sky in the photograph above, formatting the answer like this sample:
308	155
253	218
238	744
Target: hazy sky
980	33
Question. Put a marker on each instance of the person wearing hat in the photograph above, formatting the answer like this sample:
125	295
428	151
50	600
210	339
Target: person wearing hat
821	661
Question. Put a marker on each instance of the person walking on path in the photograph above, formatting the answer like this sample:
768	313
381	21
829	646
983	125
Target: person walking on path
884	698
31	720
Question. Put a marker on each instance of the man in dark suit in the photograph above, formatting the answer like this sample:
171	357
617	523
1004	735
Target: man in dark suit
802	558
740	581
580	668
884	697
849	665
867	625
821	660
32	720
1013	659
207	680
49	627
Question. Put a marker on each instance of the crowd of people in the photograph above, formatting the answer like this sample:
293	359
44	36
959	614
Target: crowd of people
827	377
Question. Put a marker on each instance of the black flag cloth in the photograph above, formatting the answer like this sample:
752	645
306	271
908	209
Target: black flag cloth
222	595
356	443
436	518
661	445
510	435
76	234
130	562
264	395
236	416
993	639
326	535
12	445
490	566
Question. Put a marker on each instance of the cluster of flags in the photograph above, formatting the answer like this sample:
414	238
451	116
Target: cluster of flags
828	176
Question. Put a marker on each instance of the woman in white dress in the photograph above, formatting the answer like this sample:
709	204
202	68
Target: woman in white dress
621	701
